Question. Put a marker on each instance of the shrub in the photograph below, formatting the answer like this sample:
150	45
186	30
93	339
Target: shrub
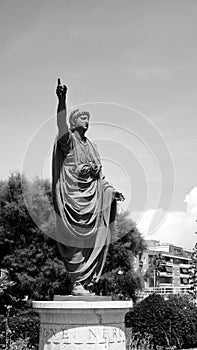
21	328
171	323
21	344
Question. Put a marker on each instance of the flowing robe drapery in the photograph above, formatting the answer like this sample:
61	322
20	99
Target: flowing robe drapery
84	205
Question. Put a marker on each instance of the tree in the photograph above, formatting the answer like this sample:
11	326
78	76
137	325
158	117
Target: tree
119	277
33	259
157	265
193	273
6	299
30	256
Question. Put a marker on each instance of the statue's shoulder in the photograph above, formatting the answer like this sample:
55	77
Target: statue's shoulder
94	148
90	141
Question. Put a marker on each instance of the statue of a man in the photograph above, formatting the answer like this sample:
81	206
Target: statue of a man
85	203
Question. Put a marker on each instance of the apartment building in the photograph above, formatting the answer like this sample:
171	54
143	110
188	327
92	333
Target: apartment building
174	276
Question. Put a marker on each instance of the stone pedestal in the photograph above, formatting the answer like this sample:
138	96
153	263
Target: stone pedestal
82	325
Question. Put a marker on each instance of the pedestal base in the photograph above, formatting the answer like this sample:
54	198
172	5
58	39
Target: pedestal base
82	325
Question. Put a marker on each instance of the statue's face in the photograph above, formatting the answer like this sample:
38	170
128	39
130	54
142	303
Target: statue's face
82	122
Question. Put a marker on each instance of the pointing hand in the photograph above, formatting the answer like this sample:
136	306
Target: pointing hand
61	90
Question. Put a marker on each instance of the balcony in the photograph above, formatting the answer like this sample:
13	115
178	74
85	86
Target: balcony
165	274
164	290
184	275
185	266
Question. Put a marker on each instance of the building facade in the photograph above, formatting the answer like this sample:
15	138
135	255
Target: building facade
172	276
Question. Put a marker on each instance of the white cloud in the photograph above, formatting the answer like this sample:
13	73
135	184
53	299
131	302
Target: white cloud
191	200
174	227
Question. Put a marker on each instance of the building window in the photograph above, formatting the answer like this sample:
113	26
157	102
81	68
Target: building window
165	280
168	269
184	281
176	261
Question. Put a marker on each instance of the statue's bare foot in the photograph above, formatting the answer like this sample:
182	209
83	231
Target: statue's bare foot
78	289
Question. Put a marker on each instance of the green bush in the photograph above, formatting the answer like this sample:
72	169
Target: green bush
22	327
187	319
172	322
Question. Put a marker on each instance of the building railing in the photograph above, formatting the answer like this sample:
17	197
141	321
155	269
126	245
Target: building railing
165	290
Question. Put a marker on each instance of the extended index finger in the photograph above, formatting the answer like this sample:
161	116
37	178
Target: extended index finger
58	82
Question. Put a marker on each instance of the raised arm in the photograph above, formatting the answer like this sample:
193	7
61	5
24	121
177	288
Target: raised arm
62	125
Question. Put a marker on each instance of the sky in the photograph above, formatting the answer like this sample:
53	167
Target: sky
132	64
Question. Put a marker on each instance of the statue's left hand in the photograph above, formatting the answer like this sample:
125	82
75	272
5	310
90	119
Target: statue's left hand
119	196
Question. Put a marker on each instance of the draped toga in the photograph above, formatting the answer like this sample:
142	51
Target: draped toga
84	206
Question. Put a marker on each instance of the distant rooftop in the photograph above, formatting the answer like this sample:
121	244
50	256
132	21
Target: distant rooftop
168	248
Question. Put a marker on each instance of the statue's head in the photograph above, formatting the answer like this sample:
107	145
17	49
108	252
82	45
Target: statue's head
75	114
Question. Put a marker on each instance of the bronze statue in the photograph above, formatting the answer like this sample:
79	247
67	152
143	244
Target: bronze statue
85	203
